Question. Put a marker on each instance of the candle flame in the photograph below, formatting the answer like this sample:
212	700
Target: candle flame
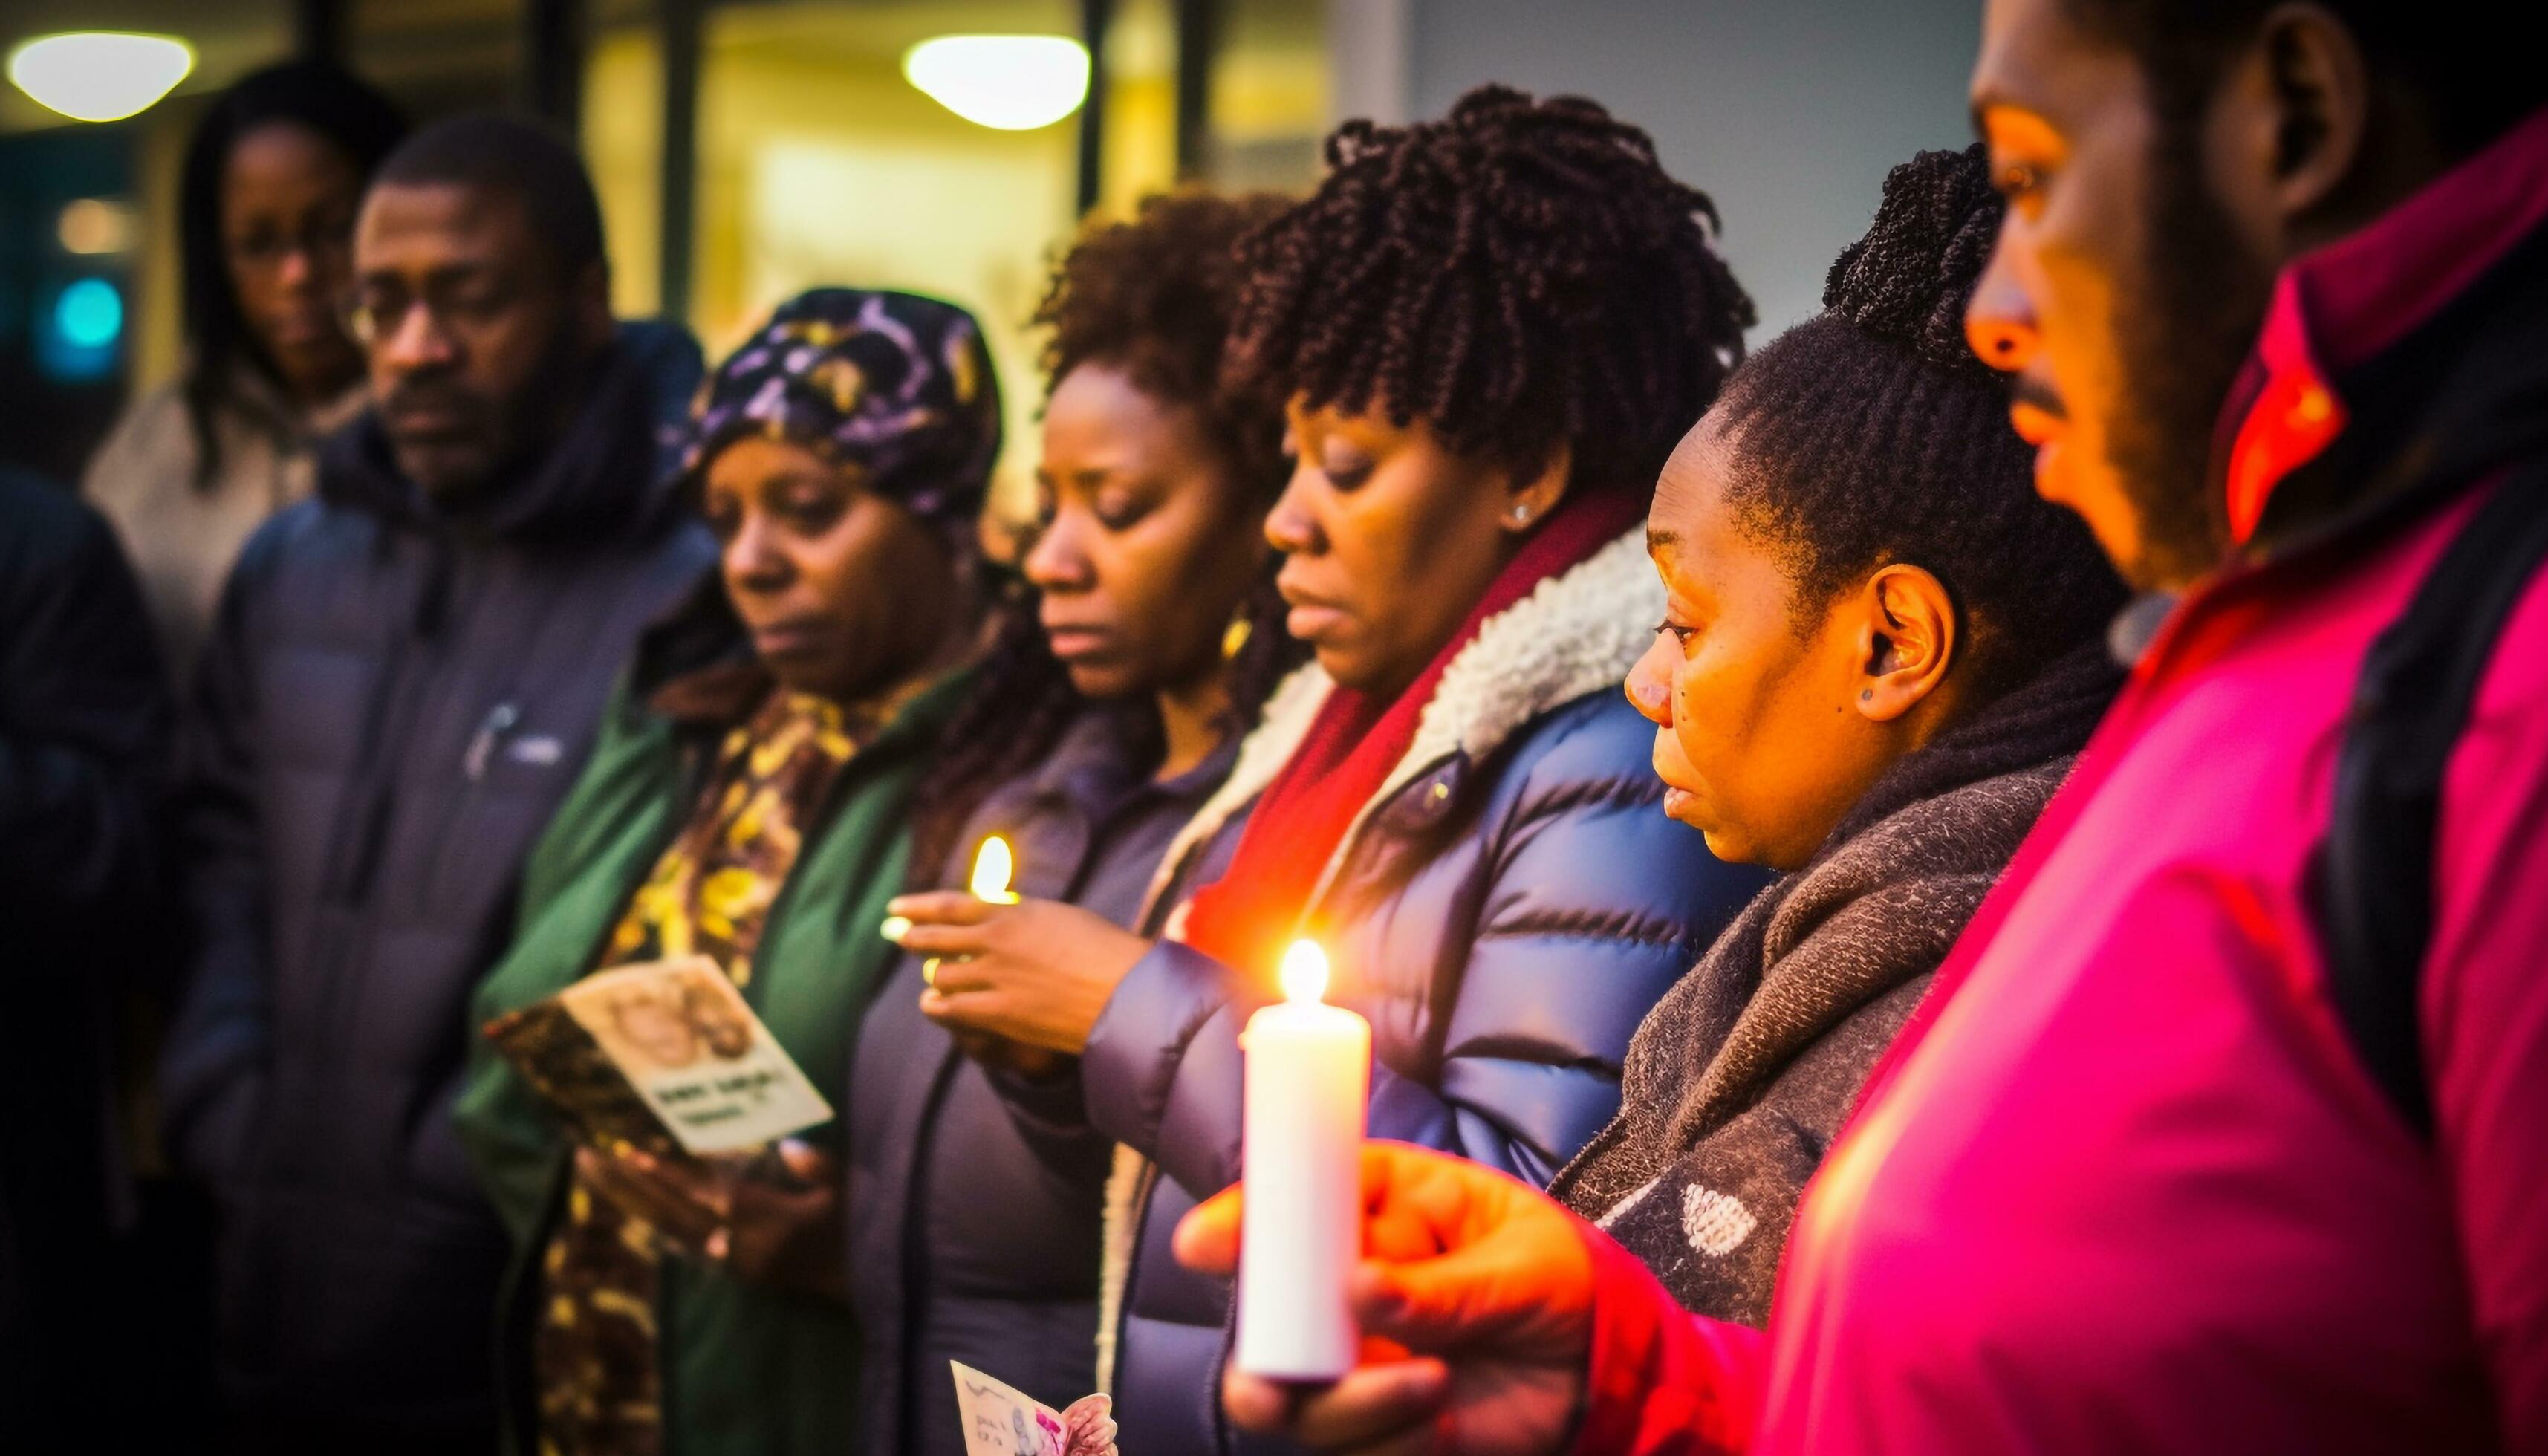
991	869
1304	971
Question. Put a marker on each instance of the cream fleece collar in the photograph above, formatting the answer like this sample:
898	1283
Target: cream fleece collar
1576	632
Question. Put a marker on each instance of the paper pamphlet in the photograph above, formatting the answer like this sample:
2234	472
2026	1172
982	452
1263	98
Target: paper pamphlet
1000	1421
660	1054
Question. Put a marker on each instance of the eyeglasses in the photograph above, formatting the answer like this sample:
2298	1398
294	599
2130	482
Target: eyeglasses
377	310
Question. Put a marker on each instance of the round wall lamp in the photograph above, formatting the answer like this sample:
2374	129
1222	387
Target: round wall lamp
1012	83
100	75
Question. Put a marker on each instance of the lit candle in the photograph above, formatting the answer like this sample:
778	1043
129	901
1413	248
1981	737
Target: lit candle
1309	1075
992	867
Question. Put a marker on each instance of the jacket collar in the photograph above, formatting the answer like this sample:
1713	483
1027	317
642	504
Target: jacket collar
2342	313
1578	632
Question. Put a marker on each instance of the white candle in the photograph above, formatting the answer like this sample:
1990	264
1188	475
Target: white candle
1308	1076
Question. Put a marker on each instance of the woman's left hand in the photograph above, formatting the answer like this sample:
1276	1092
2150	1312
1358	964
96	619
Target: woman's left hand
1089	1426
772	1220
1038	972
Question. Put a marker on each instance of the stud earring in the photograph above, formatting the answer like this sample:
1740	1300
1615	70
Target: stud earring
1521	516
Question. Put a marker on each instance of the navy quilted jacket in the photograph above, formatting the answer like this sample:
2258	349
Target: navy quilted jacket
392	704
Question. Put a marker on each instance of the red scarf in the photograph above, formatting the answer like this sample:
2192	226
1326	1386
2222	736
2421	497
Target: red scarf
1246	918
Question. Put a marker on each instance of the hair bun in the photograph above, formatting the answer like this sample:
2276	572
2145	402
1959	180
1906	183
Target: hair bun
1909	278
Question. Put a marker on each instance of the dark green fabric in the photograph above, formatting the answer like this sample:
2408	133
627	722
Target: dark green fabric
747	1372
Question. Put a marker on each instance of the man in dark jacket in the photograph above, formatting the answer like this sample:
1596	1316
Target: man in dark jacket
84	723
406	676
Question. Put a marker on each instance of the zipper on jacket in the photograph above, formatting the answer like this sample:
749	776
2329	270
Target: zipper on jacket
492	730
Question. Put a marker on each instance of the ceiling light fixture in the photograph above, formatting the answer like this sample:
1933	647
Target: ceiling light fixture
1011	83
100	75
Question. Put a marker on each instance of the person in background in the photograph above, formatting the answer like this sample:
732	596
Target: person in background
406	676
1881	656
1490	330
1110	711
84	727
2181	1154
751	802
265	227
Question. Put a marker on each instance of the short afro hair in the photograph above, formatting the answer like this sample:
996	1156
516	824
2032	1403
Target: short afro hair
1154	295
1870	435
1520	275
526	161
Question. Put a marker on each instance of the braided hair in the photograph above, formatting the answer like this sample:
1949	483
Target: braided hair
1520	275
1870	434
1151	296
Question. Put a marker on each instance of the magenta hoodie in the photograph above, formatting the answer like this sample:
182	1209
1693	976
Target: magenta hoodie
2122	1186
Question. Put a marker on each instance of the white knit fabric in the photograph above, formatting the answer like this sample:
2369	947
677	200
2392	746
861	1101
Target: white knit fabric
1715	1223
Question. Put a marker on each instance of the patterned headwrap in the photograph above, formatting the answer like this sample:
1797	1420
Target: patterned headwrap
897	385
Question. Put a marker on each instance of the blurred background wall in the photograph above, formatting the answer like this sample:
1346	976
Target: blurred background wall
800	154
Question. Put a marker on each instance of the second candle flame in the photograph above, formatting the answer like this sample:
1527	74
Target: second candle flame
1305	973
992	867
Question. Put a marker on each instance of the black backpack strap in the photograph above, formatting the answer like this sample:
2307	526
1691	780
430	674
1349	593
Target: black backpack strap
2375	868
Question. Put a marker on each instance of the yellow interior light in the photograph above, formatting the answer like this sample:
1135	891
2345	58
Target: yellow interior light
100	75
1012	83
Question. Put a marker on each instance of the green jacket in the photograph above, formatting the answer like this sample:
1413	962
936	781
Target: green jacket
747	1371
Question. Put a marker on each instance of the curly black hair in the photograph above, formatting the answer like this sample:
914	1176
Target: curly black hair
1153	297
1870	434
1519	275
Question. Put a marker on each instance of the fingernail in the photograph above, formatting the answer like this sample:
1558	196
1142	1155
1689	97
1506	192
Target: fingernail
895	927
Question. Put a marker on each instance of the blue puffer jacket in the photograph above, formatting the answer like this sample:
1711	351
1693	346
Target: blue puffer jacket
1504	911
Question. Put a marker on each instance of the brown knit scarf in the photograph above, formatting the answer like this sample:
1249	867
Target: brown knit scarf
1773	1010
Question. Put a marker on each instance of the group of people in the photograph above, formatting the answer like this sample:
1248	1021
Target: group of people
1967	879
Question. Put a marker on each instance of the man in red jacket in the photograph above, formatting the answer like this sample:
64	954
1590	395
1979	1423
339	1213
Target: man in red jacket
2161	1167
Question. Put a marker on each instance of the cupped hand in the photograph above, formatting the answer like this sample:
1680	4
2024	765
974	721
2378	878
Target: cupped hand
1089	1427
1037	972
771	1218
1475	1293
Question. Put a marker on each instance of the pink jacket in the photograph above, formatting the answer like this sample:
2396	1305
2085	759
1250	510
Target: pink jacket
2124	1185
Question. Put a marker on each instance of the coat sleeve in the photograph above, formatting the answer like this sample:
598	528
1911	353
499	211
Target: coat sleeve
213	1069
1161	1070
1594	904
2485	1015
84	724
1660	1382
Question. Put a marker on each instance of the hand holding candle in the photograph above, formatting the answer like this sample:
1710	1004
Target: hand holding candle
1307	1079
1037	972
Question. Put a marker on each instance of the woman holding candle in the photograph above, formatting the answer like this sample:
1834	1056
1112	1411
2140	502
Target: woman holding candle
1107	713
749	801
1489	329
